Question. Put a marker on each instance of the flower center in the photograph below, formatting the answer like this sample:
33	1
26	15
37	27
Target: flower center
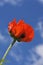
22	36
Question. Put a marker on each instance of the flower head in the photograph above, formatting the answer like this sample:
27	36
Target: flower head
21	31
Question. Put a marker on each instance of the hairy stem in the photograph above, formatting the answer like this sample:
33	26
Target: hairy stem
8	49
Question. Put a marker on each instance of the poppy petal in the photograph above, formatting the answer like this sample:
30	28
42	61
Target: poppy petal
11	24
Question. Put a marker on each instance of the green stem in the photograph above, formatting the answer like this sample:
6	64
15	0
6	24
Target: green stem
10	46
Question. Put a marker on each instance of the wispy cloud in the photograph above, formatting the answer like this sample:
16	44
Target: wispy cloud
12	2
3	38
39	50
39	62
41	1
17	54
17	57
40	28
36	56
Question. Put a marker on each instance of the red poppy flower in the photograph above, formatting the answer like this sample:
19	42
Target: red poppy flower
21	31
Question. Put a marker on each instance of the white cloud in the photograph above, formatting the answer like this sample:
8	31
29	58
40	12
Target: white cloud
41	1
39	50
36	56
3	38
40	28
17	57
39	62
13	2
33	57
1	3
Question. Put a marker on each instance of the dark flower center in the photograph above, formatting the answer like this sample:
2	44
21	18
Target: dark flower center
22	36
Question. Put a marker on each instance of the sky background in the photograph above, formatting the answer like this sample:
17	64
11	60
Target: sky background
31	11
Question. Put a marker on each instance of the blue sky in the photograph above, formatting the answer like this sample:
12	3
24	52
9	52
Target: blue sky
31	11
